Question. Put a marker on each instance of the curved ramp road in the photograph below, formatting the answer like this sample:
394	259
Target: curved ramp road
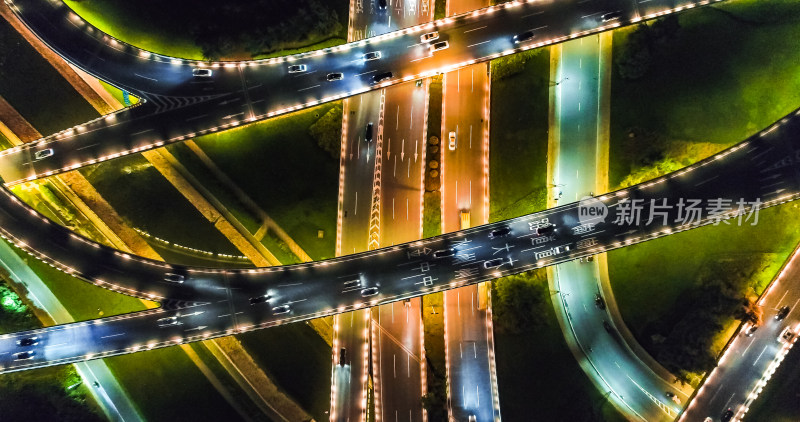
761	171
179	105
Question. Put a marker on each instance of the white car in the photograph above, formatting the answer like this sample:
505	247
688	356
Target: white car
38	155
452	144
280	310
174	278
441	45
202	73
297	68
168	321
430	36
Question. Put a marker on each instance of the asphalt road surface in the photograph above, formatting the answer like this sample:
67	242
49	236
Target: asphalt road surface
179	106
764	170
747	361
635	389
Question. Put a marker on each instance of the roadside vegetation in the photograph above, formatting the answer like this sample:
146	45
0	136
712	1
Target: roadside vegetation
286	172
536	372
707	281
44	394
297	359
710	81
687	86
35	89
207	29
435	401
518	134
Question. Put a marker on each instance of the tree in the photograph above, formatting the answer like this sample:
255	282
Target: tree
327	131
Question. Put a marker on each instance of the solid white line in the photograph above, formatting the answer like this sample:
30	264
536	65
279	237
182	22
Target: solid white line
475	29
113	335
473	45
303	89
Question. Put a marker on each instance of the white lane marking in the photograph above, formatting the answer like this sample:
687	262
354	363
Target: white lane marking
141	76
113	335
533	14
759	355
87	146
475	29
367	72
196	117
139	133
311	87
473	45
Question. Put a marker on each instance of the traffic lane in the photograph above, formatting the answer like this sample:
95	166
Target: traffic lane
98	264
279	91
90	51
464	187
403	163
359	167
748	357
350	393
369	20
111	336
396	333
632	383
468	354
409	270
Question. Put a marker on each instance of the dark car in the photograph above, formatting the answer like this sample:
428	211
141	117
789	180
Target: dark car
380	77
525	36
369	291
751	330
494	263
542	230
444	253
342	357
382	4
24	355
727	416
782	313
368	132
496	233
608	326
599	302
335	76
259	299
28	341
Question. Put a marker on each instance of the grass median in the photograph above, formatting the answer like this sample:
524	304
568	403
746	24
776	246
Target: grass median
710	84
710	77
279	164
518	134
695	268
536	372
199	29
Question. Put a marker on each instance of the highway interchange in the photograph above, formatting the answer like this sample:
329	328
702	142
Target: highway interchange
179	106
210	303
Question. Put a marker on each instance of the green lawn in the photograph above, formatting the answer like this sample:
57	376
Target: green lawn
35	89
518	134
712	86
685	260
778	401
180	27
297	359
280	166
166	385
538	377
151	203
